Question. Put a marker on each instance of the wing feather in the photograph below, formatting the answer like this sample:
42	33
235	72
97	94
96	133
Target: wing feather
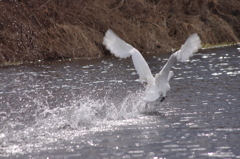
116	45
142	67
192	44
121	49
165	74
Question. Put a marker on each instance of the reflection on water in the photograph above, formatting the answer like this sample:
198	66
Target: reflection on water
94	109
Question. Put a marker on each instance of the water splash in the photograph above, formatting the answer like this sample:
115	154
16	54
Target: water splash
72	119
86	112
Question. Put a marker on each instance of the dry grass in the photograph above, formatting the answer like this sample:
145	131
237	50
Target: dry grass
58	29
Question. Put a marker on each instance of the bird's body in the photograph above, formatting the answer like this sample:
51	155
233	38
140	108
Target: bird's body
157	86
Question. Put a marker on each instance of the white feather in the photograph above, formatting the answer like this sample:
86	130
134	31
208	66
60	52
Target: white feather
116	45
151	93
192	44
121	49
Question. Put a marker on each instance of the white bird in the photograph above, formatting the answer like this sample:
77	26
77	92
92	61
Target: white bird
157	86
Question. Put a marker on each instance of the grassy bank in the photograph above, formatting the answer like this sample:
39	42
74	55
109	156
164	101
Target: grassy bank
58	29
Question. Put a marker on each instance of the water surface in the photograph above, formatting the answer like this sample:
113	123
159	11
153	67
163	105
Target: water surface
94	109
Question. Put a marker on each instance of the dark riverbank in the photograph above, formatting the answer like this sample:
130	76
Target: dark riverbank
51	29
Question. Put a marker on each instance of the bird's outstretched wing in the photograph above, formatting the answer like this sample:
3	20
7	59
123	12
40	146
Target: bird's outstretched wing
192	44
163	77
121	49
116	45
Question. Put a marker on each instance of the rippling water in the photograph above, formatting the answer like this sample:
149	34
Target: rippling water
94	109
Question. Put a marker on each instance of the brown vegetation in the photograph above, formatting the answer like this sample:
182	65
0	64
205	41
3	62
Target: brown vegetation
57	29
